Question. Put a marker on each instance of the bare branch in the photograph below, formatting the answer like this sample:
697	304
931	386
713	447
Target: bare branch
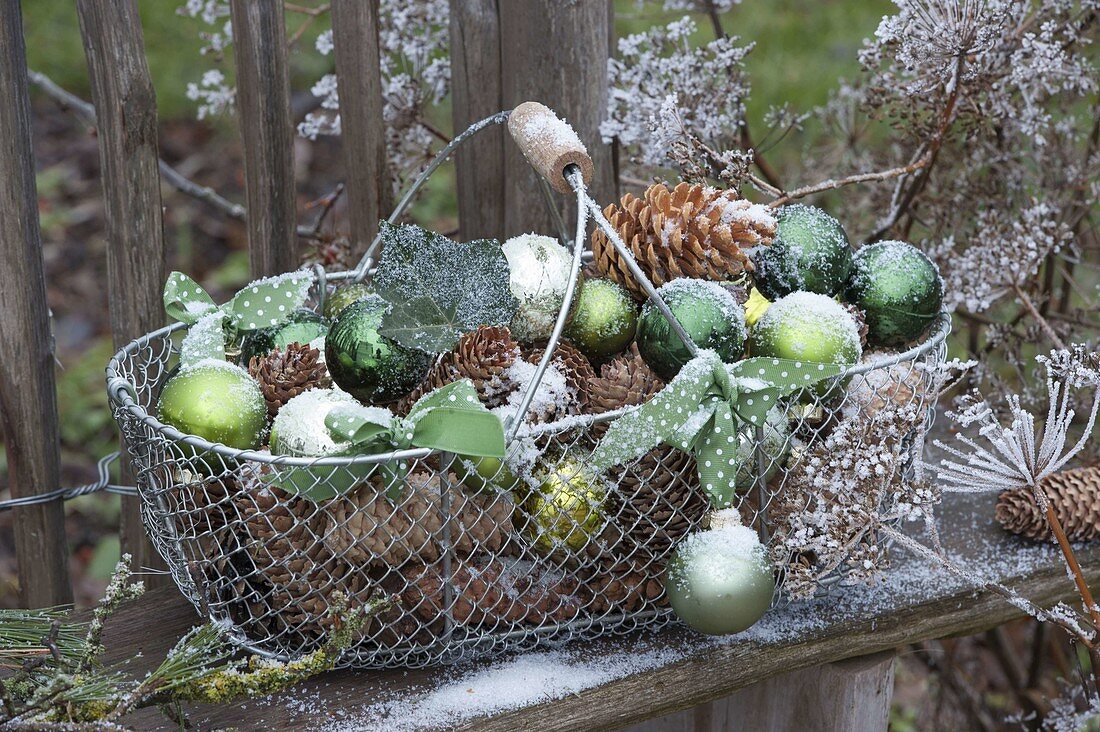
830	185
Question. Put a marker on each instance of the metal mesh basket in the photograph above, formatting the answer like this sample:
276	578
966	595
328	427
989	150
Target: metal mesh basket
470	572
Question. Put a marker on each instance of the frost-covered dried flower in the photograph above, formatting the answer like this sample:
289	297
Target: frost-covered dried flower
214	95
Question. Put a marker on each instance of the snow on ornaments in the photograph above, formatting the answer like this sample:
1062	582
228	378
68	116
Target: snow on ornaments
604	319
720	581
539	276
566	510
217	401
810	253
899	290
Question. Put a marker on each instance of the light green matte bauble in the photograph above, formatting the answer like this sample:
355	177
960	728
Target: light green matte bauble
720	581
804	326
303	326
484	473
567	509
710	315
216	401
776	443
605	318
345	295
539	276
898	289
366	364
810	252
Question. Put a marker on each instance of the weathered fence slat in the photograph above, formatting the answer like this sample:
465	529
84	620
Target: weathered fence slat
263	107
126	119
555	53
476	94
355	34
28	400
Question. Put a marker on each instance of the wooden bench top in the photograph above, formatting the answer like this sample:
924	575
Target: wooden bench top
618	681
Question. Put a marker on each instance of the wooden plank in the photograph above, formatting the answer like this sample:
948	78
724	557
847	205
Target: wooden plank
476	94
919	603
555	53
263	108
126	118
28	399
370	193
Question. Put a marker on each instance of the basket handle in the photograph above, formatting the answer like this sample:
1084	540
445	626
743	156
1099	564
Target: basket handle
549	144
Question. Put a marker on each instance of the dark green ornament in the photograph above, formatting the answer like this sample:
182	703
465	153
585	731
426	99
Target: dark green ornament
303	327
366	364
605	318
810	252
710	315
218	402
343	296
899	290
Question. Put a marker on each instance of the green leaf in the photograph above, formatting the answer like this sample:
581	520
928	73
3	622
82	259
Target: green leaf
439	289
269	301
185	300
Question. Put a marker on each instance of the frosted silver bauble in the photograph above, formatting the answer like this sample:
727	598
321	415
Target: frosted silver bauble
540	270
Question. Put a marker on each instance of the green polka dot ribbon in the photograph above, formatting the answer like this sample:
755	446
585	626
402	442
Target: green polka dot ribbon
262	304
701	410
449	418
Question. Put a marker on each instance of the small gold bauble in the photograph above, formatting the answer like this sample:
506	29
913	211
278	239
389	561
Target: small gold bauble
567	509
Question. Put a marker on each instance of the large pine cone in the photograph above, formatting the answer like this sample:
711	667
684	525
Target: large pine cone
482	356
625	381
578	373
621	588
365	528
689	231
1075	497
493	591
283	375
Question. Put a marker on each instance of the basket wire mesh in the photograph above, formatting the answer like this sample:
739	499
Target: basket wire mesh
469	572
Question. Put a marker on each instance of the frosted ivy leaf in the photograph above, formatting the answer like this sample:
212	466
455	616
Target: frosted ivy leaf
439	289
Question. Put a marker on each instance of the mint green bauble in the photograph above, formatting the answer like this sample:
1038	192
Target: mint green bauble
711	316
343	296
720	581
810	253
216	401
605	318
303	326
366	364
808	327
899	290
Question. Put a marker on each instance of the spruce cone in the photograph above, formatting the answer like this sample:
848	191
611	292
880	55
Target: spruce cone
482	356
493	591
283	375
577	370
364	528
626	381
689	231
1075	497
619	588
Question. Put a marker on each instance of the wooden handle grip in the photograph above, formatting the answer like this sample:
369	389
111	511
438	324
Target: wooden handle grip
549	144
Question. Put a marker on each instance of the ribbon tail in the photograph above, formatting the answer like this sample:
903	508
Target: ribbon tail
716	457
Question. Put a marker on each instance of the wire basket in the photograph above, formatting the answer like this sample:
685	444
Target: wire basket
469	573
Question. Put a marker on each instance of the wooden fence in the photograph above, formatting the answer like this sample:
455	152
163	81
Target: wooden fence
502	53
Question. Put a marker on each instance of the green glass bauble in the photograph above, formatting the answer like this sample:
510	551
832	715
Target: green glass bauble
366	364
484	473
605	318
710	315
720	581
898	289
776	443
567	509
810	252
540	269
343	296
218	402
303	326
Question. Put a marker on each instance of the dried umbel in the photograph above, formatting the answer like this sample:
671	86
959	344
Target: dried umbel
366	528
284	374
689	231
483	356
1073	494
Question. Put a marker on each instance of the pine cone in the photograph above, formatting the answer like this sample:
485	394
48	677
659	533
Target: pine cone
364	527
861	321
1075	496
482	356
689	231
283	375
577	370
625	381
623	589
493	591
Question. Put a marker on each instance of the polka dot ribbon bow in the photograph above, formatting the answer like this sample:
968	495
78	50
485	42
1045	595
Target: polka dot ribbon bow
701	411
261	304
449	418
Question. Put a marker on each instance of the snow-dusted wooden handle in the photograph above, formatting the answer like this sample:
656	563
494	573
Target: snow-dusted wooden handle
549	144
